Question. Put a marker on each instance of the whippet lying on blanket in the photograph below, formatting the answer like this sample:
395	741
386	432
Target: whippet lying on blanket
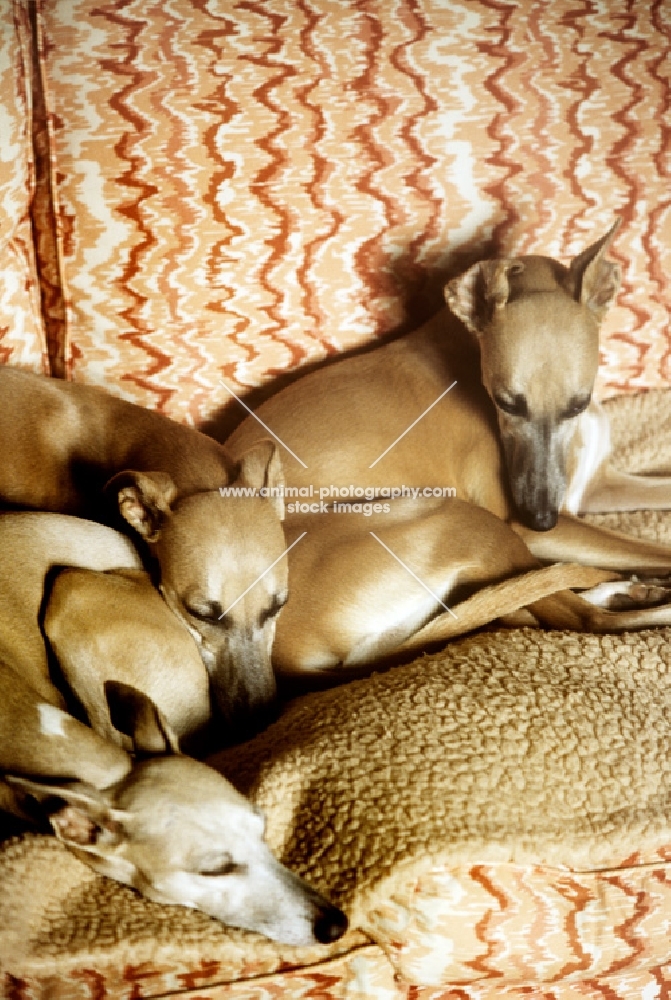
519	434
169	826
75	449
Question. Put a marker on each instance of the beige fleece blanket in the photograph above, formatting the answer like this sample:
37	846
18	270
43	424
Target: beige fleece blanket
521	745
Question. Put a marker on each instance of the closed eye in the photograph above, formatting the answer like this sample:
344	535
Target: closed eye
226	867
207	611
516	405
274	608
576	407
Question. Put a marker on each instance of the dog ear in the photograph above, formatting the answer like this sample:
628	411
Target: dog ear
133	713
594	281
79	813
481	290
261	467
144	500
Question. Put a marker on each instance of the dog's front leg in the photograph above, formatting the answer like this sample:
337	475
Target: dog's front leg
613	490
574	540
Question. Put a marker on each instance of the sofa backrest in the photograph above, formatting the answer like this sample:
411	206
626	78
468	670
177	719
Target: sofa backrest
229	191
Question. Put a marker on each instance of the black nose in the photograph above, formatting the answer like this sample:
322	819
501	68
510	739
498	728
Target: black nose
331	924
539	520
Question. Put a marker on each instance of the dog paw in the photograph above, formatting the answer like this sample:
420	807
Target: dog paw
622	595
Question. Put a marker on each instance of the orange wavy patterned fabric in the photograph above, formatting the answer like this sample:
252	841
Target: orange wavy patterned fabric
244	187
22	336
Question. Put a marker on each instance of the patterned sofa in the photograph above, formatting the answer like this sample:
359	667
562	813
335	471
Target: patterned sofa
197	197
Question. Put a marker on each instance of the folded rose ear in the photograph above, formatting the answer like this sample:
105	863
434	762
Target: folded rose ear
79	814
134	713
144	500
481	290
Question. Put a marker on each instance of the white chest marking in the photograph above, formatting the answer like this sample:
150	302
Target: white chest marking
592	451
52	719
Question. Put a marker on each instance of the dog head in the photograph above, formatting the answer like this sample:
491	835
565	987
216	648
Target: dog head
178	832
537	323
221	570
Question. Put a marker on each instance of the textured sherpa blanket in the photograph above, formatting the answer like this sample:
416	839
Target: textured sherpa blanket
515	746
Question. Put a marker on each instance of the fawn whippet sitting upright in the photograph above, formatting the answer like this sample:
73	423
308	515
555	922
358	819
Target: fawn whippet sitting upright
75	449
519	435
169	826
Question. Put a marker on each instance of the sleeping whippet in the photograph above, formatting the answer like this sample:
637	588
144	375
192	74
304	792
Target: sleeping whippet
519	440
118	793
75	449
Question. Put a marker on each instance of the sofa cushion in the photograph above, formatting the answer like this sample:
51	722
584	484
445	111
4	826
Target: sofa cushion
22	337
246	188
